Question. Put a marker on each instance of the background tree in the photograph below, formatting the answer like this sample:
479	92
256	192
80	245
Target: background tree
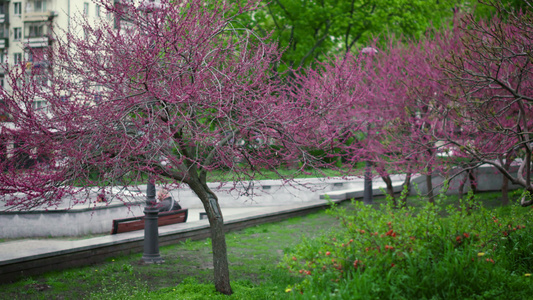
493	103
387	104
173	90
311	30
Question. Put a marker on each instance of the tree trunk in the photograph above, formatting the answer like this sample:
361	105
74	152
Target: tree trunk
429	185
406	188
461	188
505	181
505	190
220	255
390	189
218	237
473	181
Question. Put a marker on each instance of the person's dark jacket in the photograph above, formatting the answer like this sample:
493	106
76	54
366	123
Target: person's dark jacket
168	204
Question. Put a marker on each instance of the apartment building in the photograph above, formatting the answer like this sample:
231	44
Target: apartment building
27	24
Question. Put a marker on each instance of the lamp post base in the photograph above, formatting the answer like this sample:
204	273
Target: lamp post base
155	259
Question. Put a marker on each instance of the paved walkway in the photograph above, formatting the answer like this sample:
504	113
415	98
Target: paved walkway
24	249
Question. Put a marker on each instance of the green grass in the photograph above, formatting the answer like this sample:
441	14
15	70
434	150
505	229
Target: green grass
221	175
266	174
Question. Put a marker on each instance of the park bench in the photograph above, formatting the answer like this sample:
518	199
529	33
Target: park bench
137	223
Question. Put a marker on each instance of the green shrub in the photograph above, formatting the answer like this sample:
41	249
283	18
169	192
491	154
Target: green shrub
418	253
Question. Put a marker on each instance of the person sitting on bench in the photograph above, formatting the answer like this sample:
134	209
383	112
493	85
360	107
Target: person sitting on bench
166	202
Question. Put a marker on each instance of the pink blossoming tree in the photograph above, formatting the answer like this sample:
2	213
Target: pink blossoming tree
174	90
492	103
385	105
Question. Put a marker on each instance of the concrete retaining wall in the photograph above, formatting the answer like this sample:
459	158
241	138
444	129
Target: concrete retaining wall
81	220
55	223
487	179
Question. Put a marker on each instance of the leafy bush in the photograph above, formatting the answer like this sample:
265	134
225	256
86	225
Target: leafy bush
414	253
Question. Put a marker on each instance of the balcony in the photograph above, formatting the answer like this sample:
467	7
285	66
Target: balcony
43	64
4	18
4	117
4	11
4	43
37	42
39	16
148	5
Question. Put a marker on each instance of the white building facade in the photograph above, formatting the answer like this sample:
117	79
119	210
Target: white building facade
26	24
26	27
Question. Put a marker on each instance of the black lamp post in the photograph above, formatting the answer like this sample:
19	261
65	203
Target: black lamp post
151	230
367	193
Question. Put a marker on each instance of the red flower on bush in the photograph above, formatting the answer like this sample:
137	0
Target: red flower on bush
356	263
466	235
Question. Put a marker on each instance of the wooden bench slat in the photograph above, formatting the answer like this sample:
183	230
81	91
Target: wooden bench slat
137	223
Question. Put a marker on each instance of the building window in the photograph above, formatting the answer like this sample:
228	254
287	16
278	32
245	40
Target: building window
17	33
98	97
4	30
86	9
97	11
38	104
40	80
17	8
1	81
34	55
17	58
35	30
39	6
